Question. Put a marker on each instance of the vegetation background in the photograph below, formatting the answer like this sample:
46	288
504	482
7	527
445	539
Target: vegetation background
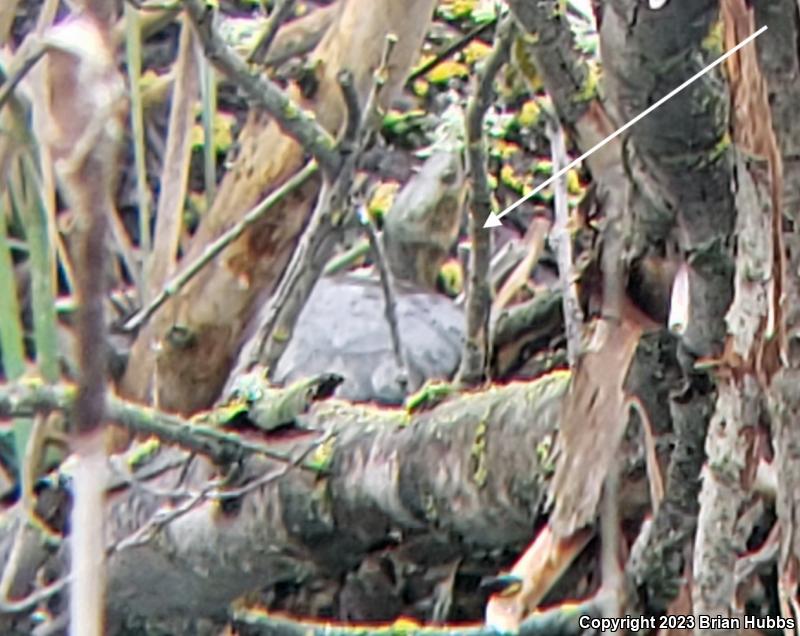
265	371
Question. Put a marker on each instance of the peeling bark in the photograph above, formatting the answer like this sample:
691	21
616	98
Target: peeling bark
780	61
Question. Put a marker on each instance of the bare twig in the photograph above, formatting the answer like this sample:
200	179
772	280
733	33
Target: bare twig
324	229
214	490
219	244
534	248
162	518
160	265
308	259
292	119
33	599
28	473
235	493
389	296
573	315
123	477
387	282
25	398
278	16
476	354
295	38
348	258
25	60
449	50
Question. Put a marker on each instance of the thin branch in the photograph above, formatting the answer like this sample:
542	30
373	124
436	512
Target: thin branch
450	49
213	249
161	518
348	258
29	471
26	59
278	16
308	259
534	245
23	399
122	477
174	178
33	599
293	120
330	216
389	296
573	315
138	481
387	284
479	295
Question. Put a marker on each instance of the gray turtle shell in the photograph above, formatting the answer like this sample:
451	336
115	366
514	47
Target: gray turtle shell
343	329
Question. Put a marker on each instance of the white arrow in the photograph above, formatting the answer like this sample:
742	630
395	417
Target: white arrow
494	219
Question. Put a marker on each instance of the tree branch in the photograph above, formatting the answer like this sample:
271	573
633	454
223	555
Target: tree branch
477	343
294	121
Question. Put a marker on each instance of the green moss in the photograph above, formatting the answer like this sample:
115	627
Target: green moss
588	90
444	72
320	459
401	125
143	452
431	394
523	57
456	9
519	183
223	133
421	88
451	279
529	114
291	111
714	40
720	148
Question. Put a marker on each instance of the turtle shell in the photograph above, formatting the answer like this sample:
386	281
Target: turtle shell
343	330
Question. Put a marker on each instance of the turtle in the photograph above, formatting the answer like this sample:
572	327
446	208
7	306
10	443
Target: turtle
343	330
